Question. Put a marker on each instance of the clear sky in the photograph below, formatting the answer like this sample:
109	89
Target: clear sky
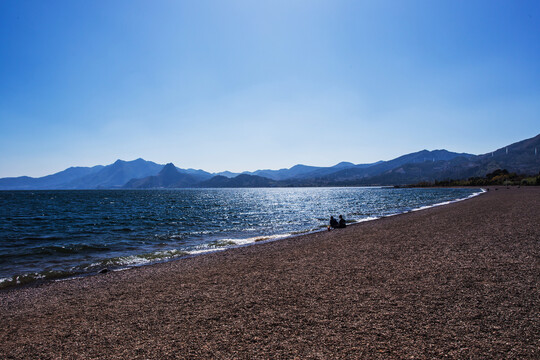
245	85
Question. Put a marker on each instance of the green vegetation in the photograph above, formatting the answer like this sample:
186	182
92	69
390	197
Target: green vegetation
497	177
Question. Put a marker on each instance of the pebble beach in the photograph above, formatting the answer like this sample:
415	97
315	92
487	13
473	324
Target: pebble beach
454	281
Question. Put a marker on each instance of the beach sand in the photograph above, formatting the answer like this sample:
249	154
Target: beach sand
454	281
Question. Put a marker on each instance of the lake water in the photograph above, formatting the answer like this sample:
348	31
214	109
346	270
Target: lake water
58	234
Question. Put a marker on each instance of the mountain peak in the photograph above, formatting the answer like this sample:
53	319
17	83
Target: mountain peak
343	164
300	166
169	169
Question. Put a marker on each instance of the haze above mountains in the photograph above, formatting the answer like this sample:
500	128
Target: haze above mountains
521	157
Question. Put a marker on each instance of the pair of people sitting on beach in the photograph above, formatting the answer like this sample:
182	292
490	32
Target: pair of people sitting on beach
334	224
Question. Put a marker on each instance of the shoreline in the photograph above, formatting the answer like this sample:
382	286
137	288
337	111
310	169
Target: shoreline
221	244
459	280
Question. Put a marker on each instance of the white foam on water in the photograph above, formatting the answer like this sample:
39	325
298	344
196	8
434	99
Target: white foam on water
229	243
121	269
7	279
260	238
450	201
203	251
203	232
122	261
141	259
369	218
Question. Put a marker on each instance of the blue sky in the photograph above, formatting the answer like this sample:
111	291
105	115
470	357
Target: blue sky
245	85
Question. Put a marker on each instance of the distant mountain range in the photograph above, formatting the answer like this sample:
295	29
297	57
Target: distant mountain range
521	157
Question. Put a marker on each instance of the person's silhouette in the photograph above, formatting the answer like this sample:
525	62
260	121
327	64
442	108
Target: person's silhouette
341	223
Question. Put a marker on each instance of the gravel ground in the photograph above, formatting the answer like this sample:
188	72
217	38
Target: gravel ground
456	281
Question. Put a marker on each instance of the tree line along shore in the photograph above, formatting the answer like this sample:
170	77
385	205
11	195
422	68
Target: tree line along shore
499	177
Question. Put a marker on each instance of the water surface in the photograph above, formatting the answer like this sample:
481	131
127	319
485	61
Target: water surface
54	234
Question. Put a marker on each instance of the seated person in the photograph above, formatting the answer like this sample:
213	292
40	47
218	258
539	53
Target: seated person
333	223
341	222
